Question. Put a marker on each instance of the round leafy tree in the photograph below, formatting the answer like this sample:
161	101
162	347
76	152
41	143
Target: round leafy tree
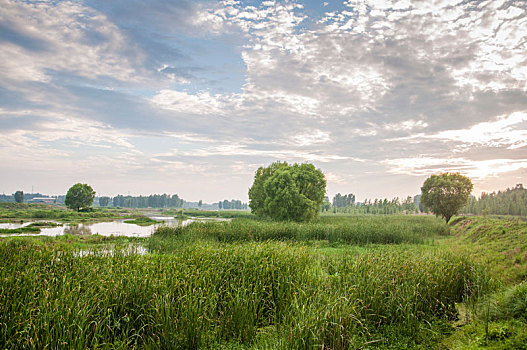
79	196
287	192
445	194
19	196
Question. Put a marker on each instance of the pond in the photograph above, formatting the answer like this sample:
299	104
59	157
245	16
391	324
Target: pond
107	228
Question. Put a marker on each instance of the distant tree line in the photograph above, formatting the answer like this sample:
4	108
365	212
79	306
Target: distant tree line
341	201
512	201
20	197
232	204
151	201
346	204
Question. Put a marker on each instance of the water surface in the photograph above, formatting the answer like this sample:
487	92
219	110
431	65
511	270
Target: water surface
107	228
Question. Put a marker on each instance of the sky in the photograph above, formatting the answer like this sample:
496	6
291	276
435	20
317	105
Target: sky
191	97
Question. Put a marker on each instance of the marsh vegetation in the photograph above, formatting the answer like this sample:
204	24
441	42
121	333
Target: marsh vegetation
340	282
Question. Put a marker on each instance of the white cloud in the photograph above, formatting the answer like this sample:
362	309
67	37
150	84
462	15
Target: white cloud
315	89
509	131
333	178
200	103
243	150
300	71
311	137
57	138
498	133
475	169
69	37
406	125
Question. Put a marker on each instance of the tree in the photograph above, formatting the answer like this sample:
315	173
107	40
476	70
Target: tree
200	203
446	194
79	196
19	196
103	201
326	205
341	201
256	192
287	192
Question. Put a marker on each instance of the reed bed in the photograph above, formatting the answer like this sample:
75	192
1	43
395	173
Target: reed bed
254	294
351	230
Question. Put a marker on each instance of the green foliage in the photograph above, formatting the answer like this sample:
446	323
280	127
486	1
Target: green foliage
232	204
287	192
256	192
512	201
79	196
446	194
508	304
340	230
104	201
501	244
245	294
379	207
499	322
19	196
209	213
24	229
151	201
45	211
142	221
341	201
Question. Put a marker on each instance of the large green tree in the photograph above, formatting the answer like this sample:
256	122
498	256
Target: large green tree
79	196
445	194
19	196
287	192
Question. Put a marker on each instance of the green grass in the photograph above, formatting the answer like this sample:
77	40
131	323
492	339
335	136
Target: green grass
210	213
33	227
205	294
388	282
499	320
356	230
500	244
25	229
142	221
44	224
12	211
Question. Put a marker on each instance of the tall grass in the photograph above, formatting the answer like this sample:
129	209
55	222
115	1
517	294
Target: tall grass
354	230
210	213
205	294
43	211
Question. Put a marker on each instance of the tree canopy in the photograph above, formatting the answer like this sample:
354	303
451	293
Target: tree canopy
341	201
445	194
104	201
19	196
287	192
79	196
512	201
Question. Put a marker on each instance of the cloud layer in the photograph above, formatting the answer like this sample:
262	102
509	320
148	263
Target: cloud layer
191	97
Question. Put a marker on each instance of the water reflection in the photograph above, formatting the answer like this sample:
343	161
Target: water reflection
77	230
109	228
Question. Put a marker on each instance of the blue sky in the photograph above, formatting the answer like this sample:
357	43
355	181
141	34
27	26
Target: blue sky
192	97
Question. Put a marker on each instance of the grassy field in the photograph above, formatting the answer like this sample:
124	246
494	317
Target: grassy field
27	211
208	213
142	221
499	319
388	282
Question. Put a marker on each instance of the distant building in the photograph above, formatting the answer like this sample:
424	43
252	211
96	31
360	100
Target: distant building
45	200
